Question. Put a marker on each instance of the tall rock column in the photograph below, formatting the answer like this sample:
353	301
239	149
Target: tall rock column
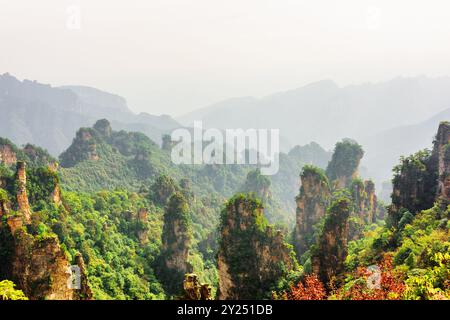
55	196
176	242
441	151
370	202
252	257
142	228
311	205
343	166
22	197
328	259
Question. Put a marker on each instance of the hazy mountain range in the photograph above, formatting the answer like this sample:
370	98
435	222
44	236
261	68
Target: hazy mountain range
49	116
389	119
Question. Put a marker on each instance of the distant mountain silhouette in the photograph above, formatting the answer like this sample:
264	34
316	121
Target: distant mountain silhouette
324	112
49	116
385	148
387	118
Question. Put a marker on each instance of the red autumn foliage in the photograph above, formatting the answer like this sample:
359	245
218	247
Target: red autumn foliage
312	289
391	286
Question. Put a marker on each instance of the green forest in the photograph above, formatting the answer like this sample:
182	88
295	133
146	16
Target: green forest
138	227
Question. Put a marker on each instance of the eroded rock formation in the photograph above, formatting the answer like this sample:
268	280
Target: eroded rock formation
441	151
311	206
329	257
194	290
252	256
343	166
36	263
422	178
7	154
176	242
22	197
365	200
142	229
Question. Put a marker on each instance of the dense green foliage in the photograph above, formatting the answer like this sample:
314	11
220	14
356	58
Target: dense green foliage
108	178
420	251
415	181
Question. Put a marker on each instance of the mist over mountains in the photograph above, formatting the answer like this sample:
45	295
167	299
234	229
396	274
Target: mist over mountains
49	116
389	119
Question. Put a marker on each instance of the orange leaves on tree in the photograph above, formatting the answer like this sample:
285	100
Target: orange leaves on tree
391	286
312	289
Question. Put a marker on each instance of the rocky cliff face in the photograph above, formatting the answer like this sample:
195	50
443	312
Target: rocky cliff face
252	256
422	178
441	150
22	197
365	200
258	184
370	204
328	258
84	147
343	166
7	154
142	230
55	196
40	268
36	263
311	206
176	242
194	290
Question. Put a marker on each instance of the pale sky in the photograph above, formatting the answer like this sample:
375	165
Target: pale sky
174	56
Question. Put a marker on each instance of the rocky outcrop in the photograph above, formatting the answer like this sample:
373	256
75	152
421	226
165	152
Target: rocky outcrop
104	128
422	178
176	242
84	147
162	189
441	150
329	256
142	228
343	166
42	271
365	200
7	154
55	196
36	263
22	197
85	292
194	290
311	206
371	204
252	257
258	184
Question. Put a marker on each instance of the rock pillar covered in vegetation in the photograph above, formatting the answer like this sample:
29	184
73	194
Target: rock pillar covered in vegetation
252	257
22	197
343	166
311	205
176	242
329	257
441	151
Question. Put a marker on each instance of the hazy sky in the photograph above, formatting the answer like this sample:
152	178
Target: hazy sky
173	56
